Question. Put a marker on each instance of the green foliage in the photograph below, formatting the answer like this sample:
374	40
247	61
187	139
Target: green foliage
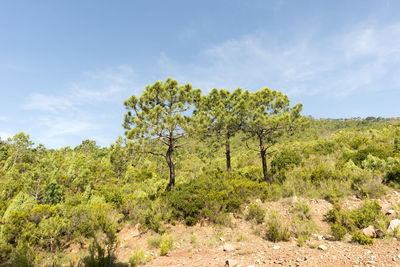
343	221
54	193
255	212
167	243
211	195
338	230
393	176
23	256
302	224
137	258
159	118
284	160
53	197
362	239
276	229
99	256
154	241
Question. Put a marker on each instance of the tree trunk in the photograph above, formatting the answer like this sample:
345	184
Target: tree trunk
264	160
228	153
171	166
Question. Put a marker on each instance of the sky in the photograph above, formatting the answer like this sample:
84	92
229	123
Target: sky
67	66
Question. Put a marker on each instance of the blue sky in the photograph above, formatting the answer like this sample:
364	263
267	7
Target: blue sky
67	66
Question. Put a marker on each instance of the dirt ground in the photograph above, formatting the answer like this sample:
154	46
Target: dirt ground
241	245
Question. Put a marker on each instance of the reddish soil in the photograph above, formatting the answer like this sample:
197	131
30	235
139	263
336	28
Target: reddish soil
203	245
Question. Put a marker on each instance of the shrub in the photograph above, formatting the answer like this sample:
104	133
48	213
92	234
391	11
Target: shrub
276	230
362	239
137	258
302	224
255	212
338	231
393	176
284	160
99	255
167	243
354	220
154	242
210	196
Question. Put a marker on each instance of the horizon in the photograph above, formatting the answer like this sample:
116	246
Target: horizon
67	67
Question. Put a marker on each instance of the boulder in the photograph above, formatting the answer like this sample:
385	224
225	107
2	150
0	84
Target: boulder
393	225
322	247
369	231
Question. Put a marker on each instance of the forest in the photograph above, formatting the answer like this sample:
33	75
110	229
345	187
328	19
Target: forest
186	158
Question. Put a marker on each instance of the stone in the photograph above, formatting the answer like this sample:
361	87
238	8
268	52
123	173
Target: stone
231	263
322	247
228	247
393	225
390	212
222	239
369	231
136	229
276	247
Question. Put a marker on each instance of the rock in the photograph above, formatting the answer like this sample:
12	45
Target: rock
322	247
222	239
368	252
228	247
393	225
369	231
371	262
319	237
136	229
299	259
276	247
390	212
230	263
251	265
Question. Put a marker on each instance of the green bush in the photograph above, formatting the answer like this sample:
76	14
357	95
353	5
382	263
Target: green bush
256	213
284	160
362	239
167	243
23	256
154	242
302	224
276	229
353	221
338	231
137	258
393	176
210	196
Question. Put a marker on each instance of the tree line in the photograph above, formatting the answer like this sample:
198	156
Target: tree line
158	120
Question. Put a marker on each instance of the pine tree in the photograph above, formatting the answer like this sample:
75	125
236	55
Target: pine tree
269	116
160	117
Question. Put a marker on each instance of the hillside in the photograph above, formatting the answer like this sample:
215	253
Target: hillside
55	203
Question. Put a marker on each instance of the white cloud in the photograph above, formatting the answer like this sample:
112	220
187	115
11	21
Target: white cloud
83	109
96	86
58	126
362	58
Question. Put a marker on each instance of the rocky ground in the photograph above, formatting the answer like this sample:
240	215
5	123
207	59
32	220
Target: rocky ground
241	245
